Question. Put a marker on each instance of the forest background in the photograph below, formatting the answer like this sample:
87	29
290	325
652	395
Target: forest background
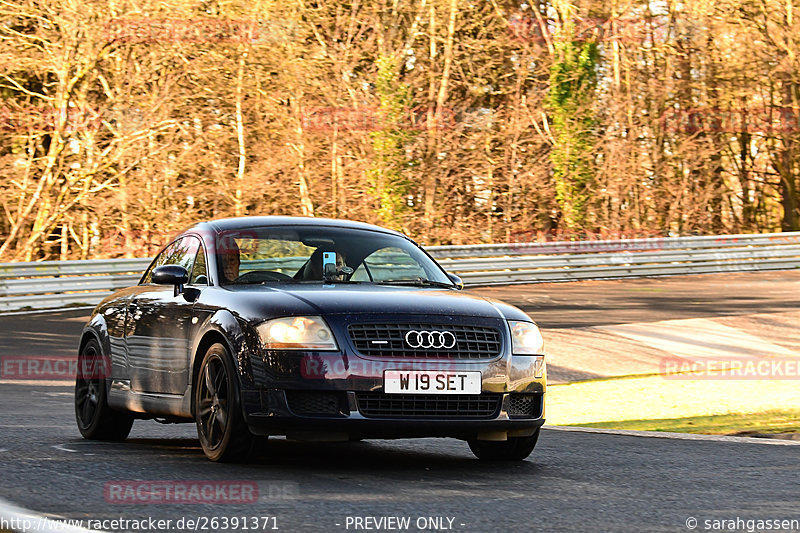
455	121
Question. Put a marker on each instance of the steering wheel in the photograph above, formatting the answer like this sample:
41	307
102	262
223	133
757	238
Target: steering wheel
259	276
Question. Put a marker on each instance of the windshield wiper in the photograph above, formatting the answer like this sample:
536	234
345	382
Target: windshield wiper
419	282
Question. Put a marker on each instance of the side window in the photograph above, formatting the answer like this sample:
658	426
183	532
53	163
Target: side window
389	264
181	252
160	260
199	272
361	273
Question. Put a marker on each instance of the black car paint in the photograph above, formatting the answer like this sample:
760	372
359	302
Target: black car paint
156	337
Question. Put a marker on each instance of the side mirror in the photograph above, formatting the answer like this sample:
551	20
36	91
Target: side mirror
459	283
174	275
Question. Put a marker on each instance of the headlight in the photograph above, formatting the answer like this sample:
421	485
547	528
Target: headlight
297	333
525	338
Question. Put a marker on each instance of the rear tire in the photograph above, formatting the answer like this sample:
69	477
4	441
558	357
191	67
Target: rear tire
223	433
513	449
96	420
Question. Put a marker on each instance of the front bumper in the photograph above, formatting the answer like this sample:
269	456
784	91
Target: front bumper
269	412
353	379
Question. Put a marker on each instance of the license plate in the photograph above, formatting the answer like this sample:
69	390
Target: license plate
431	382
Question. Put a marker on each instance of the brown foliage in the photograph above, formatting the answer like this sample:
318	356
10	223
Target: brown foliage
123	122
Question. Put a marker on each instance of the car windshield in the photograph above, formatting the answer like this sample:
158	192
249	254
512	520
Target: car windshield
319	253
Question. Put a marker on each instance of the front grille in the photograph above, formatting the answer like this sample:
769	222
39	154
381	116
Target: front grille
389	340
314	403
524	405
381	405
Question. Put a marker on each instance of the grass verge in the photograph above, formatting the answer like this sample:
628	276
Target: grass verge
730	424
656	403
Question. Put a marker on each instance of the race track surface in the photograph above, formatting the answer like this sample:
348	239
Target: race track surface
573	482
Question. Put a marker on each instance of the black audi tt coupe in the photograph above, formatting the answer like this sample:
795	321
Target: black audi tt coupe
312	329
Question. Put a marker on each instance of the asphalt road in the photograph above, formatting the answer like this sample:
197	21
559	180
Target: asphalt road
572	482
552	305
603	303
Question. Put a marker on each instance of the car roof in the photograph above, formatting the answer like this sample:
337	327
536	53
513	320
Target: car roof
242	223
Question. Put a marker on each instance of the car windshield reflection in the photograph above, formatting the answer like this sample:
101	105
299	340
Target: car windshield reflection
321	254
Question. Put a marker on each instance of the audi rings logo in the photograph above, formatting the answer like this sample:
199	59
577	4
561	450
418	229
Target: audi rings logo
430	339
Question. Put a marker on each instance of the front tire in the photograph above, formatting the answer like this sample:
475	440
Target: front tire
221	428
96	420
513	449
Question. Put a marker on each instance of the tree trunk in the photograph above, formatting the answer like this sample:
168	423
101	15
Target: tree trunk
435	125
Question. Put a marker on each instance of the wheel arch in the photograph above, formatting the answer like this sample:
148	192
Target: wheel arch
86	336
221	328
96	329
209	339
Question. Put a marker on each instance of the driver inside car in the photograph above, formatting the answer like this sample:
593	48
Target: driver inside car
229	260
312	271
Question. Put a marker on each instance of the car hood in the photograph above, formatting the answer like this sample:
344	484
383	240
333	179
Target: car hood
254	302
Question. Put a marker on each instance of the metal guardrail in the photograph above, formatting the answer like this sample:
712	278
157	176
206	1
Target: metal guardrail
56	284
495	264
